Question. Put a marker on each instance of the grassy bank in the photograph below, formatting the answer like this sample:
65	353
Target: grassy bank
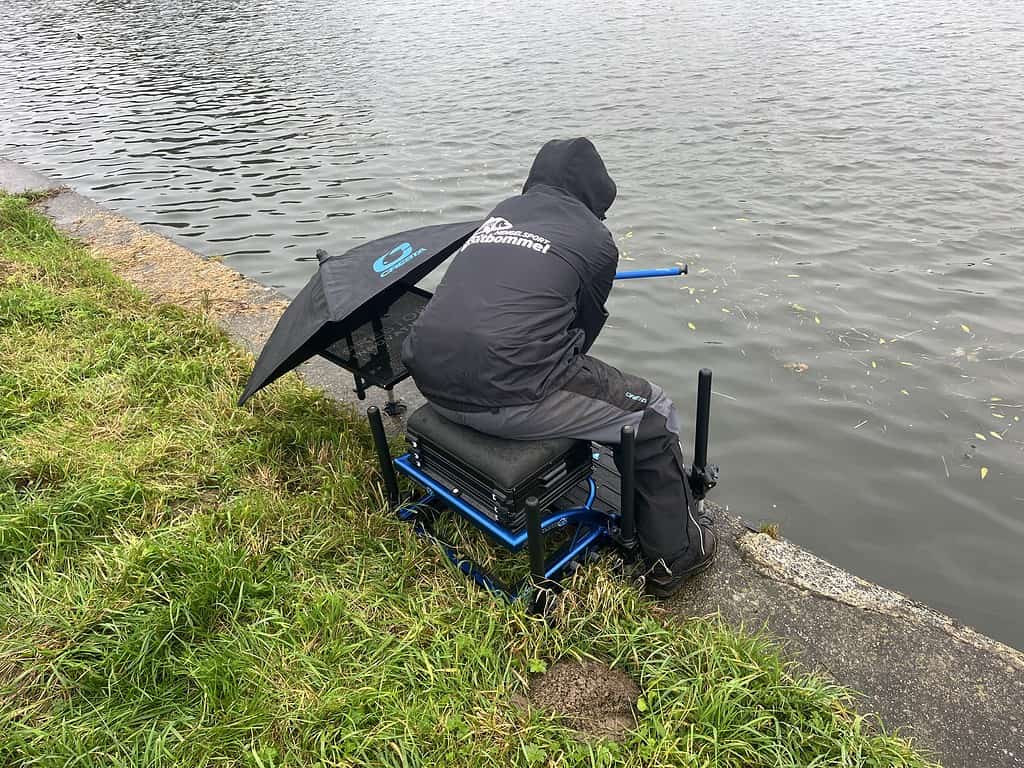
183	582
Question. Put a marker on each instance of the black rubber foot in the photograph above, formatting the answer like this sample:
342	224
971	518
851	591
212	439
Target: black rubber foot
395	409
542	602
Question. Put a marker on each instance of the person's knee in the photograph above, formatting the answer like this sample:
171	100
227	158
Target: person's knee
662	405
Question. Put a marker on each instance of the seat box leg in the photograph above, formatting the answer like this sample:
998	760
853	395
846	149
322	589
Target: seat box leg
387	466
535	542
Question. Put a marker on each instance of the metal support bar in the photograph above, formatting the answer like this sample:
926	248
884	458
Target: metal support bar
535	541
378	335
393	407
627	522
700	443
704	476
578	549
380	442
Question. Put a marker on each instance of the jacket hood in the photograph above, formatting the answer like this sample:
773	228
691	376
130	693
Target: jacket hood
574	166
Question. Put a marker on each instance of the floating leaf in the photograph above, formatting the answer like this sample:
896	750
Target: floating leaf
726	311
996	435
979	436
996	399
964	328
904	362
984	472
999	415
881	340
797	367
629	234
1016	418
792	275
817	320
905	392
691	326
874	364
798	308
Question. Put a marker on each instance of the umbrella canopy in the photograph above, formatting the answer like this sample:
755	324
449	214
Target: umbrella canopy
344	291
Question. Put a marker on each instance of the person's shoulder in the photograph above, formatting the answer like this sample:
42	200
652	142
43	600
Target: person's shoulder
509	204
590	233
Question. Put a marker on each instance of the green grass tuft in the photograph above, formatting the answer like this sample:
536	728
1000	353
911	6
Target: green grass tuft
188	583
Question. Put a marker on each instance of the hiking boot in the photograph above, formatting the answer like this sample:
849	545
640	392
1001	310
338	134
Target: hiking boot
665	581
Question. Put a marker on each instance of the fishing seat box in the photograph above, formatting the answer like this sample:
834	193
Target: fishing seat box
492	474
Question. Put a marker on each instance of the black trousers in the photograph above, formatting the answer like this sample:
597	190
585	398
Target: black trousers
594	405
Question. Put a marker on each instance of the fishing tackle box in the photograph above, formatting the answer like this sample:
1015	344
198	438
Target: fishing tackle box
494	475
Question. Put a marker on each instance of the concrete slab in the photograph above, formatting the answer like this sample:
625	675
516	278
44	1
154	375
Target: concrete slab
17	179
959	693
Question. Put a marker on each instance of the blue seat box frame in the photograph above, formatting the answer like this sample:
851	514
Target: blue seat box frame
588	523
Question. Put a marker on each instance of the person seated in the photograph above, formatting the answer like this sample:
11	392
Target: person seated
503	345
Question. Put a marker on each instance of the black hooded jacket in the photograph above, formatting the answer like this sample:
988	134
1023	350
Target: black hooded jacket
524	298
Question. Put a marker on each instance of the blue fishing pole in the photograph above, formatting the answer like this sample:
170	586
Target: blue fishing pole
633	274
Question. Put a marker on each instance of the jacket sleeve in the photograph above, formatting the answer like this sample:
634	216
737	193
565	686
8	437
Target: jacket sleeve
591	313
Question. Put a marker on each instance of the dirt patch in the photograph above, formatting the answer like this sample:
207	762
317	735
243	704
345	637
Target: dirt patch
594	699
169	273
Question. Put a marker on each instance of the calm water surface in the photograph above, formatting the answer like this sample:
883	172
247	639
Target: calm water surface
844	179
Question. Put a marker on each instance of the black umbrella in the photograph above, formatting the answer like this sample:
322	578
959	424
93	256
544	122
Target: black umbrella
346	291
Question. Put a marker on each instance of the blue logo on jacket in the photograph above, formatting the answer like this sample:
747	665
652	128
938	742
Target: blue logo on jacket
395	258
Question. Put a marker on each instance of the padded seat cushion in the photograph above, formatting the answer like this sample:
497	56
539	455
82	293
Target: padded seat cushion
508	463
